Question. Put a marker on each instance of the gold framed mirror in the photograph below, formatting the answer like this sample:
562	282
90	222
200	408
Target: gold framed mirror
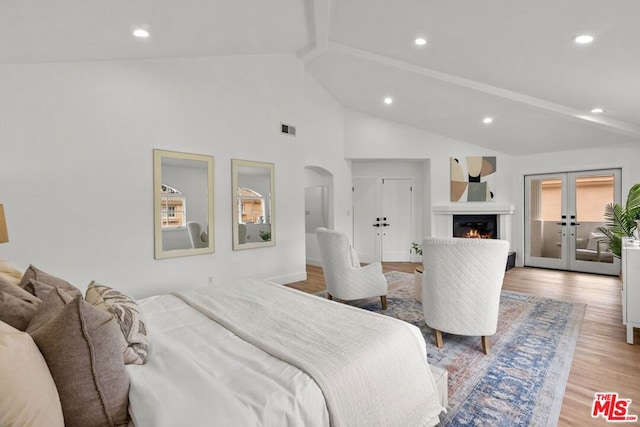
253	189
183	204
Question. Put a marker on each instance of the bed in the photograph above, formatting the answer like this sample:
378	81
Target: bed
243	353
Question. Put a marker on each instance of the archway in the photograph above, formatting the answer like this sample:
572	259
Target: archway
318	208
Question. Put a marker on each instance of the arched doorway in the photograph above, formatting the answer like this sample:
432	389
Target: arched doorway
318	208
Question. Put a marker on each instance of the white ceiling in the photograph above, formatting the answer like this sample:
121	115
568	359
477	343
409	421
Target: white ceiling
513	60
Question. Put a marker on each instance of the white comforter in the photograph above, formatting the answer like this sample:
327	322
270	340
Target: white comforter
200	373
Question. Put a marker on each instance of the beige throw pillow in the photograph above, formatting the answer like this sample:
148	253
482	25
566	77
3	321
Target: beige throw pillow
127	313
81	345
9	273
28	394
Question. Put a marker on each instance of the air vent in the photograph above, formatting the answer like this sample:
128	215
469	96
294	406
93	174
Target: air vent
288	129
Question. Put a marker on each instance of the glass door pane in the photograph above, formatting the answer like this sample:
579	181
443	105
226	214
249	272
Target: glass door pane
562	216
545	233
592	191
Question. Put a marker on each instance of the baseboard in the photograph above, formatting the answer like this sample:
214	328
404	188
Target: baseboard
314	262
289	278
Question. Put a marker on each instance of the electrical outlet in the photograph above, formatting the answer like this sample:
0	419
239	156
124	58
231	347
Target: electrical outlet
210	280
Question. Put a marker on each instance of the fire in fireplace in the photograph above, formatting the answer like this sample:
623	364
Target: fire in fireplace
475	226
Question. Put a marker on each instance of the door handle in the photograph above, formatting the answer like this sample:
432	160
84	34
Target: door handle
376	225
575	223
384	224
561	223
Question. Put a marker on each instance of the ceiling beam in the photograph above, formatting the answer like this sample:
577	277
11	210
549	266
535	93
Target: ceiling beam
321	15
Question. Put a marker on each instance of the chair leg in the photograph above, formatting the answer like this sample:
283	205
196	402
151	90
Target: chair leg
383	301
438	335
485	344
329	296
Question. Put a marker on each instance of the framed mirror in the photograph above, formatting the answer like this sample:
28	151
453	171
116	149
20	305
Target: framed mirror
253	204
183	204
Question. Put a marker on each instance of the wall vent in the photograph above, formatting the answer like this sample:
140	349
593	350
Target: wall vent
288	129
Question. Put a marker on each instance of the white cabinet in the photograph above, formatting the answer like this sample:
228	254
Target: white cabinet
630	287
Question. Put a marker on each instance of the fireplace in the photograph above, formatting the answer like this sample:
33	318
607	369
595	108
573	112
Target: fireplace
476	226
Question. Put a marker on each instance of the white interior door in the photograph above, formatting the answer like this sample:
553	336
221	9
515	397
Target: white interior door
366	213
382	219
396	219
562	214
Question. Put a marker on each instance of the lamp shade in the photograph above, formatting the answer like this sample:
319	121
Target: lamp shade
4	235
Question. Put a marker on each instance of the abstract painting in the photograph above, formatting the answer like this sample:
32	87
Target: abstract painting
473	179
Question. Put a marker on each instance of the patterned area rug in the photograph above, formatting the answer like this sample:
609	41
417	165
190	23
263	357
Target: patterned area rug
522	381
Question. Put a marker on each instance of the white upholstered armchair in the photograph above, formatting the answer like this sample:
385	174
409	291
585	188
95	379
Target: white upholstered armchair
196	235
345	278
461	286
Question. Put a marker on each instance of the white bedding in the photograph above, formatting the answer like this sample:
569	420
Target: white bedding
198	373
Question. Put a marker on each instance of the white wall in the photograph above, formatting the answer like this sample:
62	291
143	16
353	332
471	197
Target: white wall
77	139
324	137
368	137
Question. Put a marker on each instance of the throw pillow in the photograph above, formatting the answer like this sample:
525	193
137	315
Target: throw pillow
41	289
29	396
127	313
41	276
81	345
17	306
9	273
52	303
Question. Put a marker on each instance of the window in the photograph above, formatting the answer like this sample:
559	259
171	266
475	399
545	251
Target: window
173	213
251	206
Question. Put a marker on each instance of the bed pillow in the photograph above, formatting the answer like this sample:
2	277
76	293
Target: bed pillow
41	289
52	303
9	273
127	313
43	277
81	345
29	396
17	306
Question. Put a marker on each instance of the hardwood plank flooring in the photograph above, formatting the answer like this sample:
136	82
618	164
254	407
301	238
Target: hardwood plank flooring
603	361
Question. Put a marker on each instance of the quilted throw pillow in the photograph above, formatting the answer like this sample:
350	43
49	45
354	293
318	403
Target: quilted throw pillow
127	313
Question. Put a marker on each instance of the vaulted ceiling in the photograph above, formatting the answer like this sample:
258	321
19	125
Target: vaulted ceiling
515	61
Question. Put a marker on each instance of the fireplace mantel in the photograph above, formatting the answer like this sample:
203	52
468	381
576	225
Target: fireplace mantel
466	208
443	217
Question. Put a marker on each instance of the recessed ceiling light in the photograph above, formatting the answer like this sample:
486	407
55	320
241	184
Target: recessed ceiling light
584	39
141	33
388	100
597	110
420	41
487	120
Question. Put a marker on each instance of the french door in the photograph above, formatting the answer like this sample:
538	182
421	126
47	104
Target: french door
562	214
382	219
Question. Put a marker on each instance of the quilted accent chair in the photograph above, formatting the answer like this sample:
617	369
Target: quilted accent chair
345	279
195	235
461	286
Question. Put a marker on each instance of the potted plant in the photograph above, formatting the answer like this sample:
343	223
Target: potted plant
417	275
417	248
621	220
265	235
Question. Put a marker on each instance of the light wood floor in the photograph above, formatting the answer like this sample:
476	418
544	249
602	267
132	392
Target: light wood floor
603	361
